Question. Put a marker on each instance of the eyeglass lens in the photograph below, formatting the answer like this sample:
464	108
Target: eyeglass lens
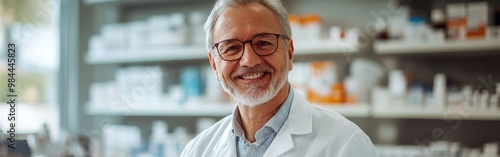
265	44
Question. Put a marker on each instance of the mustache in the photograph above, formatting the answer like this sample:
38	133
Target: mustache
256	69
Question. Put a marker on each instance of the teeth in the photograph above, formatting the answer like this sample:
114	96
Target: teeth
253	76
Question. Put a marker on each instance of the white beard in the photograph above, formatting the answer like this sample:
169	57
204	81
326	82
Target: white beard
253	95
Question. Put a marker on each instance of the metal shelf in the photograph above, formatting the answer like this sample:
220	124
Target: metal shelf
452	46
347	110
147	55
426	113
161	109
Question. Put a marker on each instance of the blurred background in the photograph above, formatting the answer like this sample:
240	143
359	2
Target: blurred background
132	78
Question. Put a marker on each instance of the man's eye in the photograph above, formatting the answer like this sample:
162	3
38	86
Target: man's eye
232	49
262	43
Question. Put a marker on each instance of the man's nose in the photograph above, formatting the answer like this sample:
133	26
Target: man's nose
250	57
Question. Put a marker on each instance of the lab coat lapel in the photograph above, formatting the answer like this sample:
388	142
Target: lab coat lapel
226	146
299	122
281	143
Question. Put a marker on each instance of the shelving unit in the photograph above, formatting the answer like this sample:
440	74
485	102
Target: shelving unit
161	109
401	112
149	54
453	46
199	52
348	110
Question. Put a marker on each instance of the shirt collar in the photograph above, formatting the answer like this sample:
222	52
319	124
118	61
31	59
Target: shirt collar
275	123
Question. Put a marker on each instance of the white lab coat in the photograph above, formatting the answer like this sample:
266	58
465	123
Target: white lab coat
308	131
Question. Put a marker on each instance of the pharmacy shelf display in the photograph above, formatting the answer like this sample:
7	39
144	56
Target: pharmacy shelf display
199	52
347	110
205	109
160	109
149	54
402	112
449	46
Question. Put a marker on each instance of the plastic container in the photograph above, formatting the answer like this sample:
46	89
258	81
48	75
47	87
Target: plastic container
335	34
323	87
296	26
397	84
312	27
439	91
191	82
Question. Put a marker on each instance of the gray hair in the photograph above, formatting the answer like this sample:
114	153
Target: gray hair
276	6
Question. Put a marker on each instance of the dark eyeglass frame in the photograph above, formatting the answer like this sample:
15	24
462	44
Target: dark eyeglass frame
216	45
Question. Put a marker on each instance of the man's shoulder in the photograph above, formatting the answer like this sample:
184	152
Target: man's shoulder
331	134
344	135
207	139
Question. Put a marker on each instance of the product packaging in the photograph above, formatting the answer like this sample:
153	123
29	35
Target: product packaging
477	19
456	21
323	86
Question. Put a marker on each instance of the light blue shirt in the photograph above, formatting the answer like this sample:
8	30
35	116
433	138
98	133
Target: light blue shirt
264	136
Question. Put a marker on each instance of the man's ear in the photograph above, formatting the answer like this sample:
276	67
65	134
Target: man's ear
290	54
212	63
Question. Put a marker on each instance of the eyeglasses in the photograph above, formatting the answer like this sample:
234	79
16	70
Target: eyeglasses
262	44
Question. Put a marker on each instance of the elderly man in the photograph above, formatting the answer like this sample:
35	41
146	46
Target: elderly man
251	52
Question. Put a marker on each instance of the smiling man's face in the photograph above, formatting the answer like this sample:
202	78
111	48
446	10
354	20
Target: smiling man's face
251	80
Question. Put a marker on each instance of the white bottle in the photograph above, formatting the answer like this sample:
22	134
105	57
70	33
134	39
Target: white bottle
158	138
495	100
397	87
490	150
178	141
439	91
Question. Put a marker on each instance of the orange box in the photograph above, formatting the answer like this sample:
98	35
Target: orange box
323	87
477	19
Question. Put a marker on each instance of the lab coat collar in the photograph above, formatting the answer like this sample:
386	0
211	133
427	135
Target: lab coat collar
226	146
299	122
300	116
